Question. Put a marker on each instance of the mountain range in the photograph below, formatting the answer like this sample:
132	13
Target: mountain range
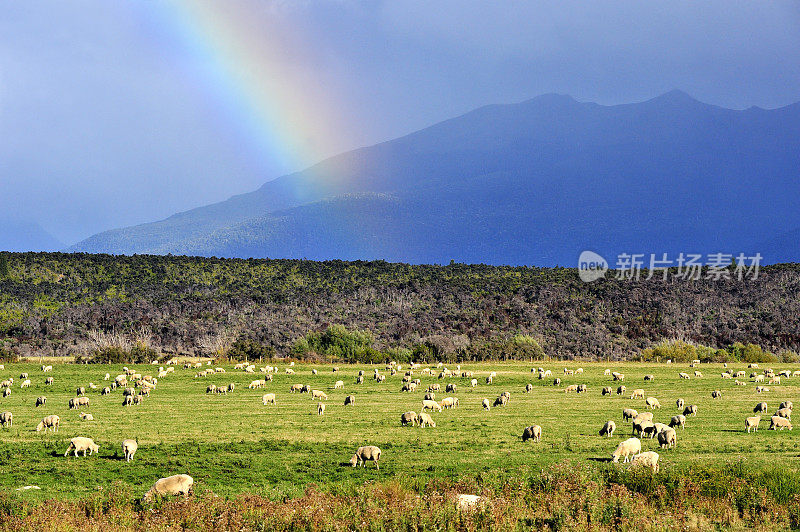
530	183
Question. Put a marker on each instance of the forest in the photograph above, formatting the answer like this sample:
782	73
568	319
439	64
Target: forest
114	308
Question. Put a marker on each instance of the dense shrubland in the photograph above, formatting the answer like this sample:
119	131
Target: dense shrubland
113	307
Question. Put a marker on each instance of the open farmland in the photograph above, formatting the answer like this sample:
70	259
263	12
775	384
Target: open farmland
232	444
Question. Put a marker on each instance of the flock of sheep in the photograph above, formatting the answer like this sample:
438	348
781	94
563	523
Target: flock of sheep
135	388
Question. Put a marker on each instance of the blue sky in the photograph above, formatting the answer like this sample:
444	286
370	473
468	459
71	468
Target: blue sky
105	121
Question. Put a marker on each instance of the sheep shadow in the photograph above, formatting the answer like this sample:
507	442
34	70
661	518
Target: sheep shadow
601	460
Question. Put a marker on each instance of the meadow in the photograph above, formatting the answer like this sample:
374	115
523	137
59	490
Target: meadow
232	444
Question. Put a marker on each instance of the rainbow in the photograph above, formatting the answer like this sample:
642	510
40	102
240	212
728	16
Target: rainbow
246	53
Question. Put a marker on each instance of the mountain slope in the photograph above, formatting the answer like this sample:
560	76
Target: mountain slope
529	183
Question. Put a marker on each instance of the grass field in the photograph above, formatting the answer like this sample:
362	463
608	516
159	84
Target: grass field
233	444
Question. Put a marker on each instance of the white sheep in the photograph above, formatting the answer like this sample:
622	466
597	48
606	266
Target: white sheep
7	418
431	405
365	454
319	394
409	418
667	438
678	421
425	420
129	448
86	417
629	413
320	409
49	422
80	443
638	393
752	423
626	449
680	403
785	413
25	384
652	402
779	422
716	394
646	459
608	429
268	398
338	384
174	485
690	410
486	404
41	400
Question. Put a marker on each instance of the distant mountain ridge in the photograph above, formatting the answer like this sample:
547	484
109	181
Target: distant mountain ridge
529	183
24	235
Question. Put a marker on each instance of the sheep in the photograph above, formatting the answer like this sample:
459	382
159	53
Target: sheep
534	432
579	371
652	402
501	400
268	398
556	382
618	376
638	393
629	413
320	409
774	380
408	387
473	383
80	443
86	417
23	376
740	374
649	378
760	407
338	384
433	387
41	400
425	420
409	418
350	400
489	379
607	372
786	404
726	375
568	371
571	388
683	375
581	388
716	394
6	392
80	391
761	389
431	405
75	402
7	418
690	410
25	384
667	438
608	429
174	485
606	390
621	390
49	422
449	402
680	403
752	423
105	391
256	384
678	421
486	404
450	388
777	421
785	413
319	394
626	449
49	381
137	399
758	378
365	454
646	459
648	416
528	388
127	400
643	427
131	391
296	388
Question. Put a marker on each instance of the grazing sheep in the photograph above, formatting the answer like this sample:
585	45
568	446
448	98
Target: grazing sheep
606	373
667	438
534	432
430	396
528	388
86	417
320	409
319	394
41	400
296	388
556	382
350	400
784	412
408	387
486	404
433	387
6	392
314	372
450	388
25	384
716	394
268	398
761	389
174	485
127	400
49	422
629	413
425	420
105	391
649	377
571	388
568	371
652	402
752	423
338	384
48	381
626	449
760	407
646	459
683	375
365	454
75	402
690	410
137	399
23	376
409	418
431	405
786	404
581	388
608	429
473	383
502	400
80	391
758	378
618	376
678	421
360	379
606	390
7	418
680	403
621	390
779	422
648	416
80	443
638	393
643	427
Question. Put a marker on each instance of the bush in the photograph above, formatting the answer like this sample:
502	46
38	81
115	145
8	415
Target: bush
245	349
138	354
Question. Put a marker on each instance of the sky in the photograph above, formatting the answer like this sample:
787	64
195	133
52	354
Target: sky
124	112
